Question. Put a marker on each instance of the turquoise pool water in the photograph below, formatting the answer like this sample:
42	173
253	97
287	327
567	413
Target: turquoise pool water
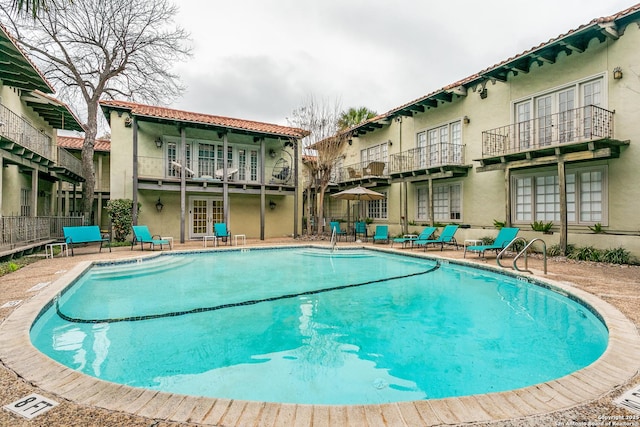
310	326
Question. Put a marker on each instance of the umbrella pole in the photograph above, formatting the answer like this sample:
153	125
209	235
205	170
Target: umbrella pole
348	216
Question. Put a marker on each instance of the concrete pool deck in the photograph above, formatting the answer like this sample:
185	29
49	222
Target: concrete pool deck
584	396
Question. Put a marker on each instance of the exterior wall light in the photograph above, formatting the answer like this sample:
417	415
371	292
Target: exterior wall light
466	120
158	142
159	205
272	204
617	73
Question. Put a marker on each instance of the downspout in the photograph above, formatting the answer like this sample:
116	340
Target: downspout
507	190
183	181
296	190
263	201
225	178
134	196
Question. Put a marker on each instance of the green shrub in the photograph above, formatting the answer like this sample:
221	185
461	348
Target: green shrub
499	224
542	226
587	253
121	214
617	256
597	228
556	250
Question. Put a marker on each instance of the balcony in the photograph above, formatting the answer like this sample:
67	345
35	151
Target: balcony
154	173
444	160
68	165
26	144
579	134
363	171
20	138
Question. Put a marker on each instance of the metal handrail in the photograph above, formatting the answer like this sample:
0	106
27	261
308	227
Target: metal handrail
502	252
334	239
524	251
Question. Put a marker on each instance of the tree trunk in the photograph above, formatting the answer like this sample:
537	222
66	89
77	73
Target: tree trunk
91	129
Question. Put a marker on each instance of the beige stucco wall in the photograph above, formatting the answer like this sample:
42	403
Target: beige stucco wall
483	193
12	178
244	209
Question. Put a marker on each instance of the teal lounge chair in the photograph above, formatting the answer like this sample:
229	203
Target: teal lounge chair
504	237
424	235
335	225
221	232
142	235
446	237
360	229
382	234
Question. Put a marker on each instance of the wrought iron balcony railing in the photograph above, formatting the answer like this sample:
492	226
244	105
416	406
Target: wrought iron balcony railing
372	169
570	127
427	157
69	161
19	131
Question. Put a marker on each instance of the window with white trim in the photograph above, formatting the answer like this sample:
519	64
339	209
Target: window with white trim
447	202
537	196
377	153
534	117
440	146
209	157
377	209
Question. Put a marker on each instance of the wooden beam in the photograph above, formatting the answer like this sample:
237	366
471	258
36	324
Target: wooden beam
562	179
601	153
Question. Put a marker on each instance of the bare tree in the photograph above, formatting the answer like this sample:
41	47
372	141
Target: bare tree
95	49
321	149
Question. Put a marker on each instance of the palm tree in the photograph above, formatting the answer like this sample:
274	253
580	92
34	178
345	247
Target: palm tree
35	5
354	116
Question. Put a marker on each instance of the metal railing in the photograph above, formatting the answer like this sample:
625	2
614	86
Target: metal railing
18	230
374	168
427	157
160	168
524	253
573	126
69	161
20	131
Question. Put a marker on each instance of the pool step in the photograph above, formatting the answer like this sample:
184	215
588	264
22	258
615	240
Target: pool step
141	266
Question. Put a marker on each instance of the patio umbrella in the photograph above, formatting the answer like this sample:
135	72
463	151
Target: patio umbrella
357	193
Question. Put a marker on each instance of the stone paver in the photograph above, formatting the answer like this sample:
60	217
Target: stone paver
589	390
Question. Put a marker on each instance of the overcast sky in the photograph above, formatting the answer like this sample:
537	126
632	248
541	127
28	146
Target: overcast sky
260	59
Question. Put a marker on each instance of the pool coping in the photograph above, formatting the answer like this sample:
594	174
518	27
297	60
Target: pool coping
617	365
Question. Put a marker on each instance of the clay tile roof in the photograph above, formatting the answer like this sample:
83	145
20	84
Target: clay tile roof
206	119
75	143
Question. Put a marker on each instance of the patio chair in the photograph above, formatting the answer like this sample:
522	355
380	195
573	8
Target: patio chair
382	234
142	235
360	229
424	235
335	225
353	174
503	239
221	232
375	169
230	171
446	237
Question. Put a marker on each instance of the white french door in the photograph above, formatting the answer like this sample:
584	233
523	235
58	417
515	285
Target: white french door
203	213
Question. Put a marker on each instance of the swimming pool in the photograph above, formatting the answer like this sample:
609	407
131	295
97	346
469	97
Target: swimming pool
369	327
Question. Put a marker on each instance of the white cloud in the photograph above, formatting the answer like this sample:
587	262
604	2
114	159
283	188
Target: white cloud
260	59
